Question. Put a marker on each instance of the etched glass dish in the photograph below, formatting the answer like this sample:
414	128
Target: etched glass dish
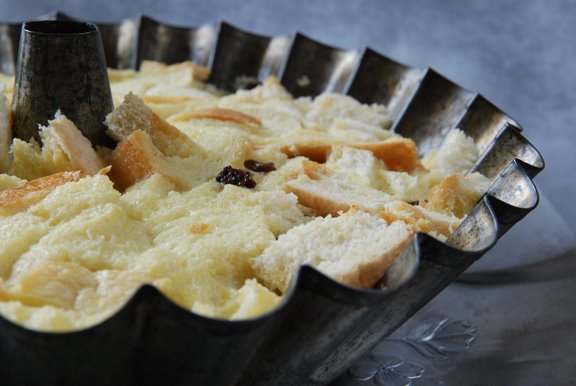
323	326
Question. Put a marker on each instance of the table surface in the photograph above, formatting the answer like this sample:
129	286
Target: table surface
518	54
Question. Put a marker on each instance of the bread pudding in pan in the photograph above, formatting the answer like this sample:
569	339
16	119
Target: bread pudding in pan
216	199
265	217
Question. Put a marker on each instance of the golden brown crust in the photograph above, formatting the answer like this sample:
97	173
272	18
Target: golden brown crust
24	195
419	219
201	73
133	115
137	158
200	228
132	160
314	170
225	115
167	99
451	196
169	140
77	148
327	193
399	154
315	151
320	205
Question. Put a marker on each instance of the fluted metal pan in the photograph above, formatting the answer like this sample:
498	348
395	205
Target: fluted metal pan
322	326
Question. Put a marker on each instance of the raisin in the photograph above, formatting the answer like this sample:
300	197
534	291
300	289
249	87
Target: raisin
237	177
260	167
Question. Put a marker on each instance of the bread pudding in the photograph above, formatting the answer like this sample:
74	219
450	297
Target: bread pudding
214	198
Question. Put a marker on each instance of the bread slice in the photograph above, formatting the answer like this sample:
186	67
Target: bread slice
24	195
420	219
456	194
225	115
327	192
361	163
134	115
177	72
64	148
55	283
399	154
328	108
136	158
148	145
355	248
74	144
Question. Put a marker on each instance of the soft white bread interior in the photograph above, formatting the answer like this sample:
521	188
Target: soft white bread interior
328	192
355	248
64	148
343	195
327	109
75	145
456	154
456	194
84	248
175	84
150	145
439	225
23	195
133	115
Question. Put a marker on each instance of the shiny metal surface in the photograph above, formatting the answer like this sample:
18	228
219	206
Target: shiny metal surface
323	327
434	109
508	320
61	66
379	79
236	49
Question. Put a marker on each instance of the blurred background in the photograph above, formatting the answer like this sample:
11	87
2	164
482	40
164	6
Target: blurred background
520	55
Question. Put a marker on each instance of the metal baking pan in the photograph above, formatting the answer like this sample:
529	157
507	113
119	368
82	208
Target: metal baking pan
323	326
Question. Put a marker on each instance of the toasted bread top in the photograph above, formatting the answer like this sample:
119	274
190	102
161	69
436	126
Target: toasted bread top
30	192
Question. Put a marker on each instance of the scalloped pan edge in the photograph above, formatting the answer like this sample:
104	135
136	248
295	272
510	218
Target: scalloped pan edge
322	326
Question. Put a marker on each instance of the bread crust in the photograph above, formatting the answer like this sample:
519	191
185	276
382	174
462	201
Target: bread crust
420	218
134	159
315	151
330	244
198	72
321	205
399	154
225	115
453	195
368	274
26	194
327	193
77	147
133	115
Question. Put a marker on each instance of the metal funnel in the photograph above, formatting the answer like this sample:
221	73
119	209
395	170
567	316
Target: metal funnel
61	65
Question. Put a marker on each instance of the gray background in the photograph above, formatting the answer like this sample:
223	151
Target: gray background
521	56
